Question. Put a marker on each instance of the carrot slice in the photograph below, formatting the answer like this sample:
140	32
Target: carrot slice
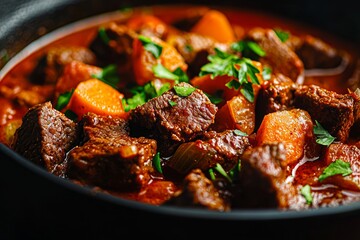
215	24
144	61
74	73
209	85
96	96
237	113
294	128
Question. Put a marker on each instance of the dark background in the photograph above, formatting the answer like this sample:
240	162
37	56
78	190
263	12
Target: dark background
33	205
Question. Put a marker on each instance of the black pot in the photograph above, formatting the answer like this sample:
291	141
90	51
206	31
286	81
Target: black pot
34	203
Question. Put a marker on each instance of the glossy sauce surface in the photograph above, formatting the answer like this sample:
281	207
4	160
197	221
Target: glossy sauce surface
305	172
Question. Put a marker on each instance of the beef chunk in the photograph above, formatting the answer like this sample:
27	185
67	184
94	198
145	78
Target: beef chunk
109	158
262	176
103	127
117	50
45	136
315	53
199	191
278	55
125	164
173	125
355	130
335	112
224	148
277	94
346	153
51	64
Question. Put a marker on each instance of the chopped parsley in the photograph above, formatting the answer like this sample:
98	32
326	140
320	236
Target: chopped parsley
150	46
211	173
266	73
108	75
184	91
248	49
63	100
239	133
172	103
103	35
221	170
223	63
157	163
234	172
142	94
282	35
215	99
162	72
334	168
323	137
306	192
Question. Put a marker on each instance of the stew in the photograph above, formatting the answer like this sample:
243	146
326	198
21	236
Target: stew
213	108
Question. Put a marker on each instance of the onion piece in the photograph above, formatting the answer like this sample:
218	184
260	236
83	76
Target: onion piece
193	155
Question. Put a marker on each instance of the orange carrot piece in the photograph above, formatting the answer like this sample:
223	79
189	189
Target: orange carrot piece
215	24
150	22
237	113
96	96
74	73
211	86
144	61
294	128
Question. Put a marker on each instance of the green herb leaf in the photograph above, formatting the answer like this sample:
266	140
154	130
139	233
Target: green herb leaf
184	91
256	48
282	35
189	48
157	163
248	92
142	94
221	170
63	100
108	75
233	84
234	172
172	103
150	46
306	192
161	72
71	115
334	168
248	49
214	99
183	77
226	64
212	175
266	73
323	137
103	35
239	133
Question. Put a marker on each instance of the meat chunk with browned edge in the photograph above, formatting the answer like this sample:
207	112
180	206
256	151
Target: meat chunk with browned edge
279	56
277	94
198	191
173	124
224	148
113	44
314	52
335	112
109	158
51	64
262	176
44	138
